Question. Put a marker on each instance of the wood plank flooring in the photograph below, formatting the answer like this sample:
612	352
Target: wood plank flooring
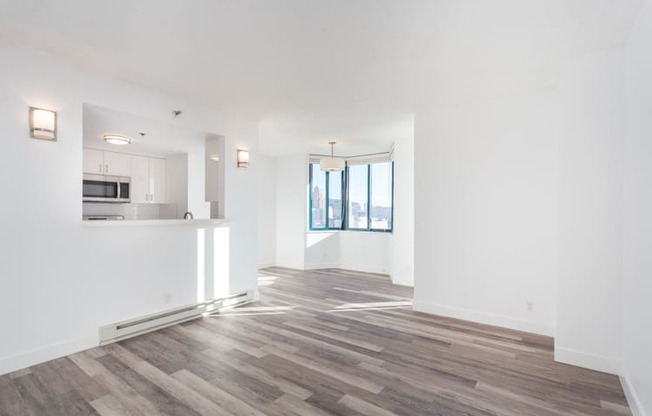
328	342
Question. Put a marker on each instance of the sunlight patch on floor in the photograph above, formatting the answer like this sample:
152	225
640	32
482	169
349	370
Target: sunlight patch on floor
253	310
372	306
224	315
369	309
266	280
259	309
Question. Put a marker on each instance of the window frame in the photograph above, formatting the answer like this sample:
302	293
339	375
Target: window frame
391	216
345	184
326	201
348	199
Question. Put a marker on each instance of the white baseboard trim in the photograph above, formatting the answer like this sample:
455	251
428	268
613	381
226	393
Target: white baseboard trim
295	266
266	265
401	282
363	268
590	361
633	400
316	266
43	354
484	318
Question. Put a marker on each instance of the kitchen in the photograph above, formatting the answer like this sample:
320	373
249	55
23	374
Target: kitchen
89	274
148	185
136	169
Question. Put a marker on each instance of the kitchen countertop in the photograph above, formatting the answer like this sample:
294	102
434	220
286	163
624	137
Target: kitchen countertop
141	223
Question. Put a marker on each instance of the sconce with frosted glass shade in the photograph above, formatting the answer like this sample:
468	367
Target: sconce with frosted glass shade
42	124
243	158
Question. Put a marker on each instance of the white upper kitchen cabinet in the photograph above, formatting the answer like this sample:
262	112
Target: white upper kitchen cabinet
148	180
117	164
106	163
158	181
93	161
139	179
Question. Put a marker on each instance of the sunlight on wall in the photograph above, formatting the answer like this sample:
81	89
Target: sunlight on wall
201	269
221	266
314	238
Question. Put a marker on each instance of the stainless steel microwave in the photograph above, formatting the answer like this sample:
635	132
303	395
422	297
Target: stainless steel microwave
104	188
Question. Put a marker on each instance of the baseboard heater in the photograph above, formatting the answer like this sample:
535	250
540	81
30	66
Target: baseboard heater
126	329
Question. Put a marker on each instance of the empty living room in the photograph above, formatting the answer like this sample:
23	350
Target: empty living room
344	207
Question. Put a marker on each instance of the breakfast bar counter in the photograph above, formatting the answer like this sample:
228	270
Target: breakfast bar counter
199	223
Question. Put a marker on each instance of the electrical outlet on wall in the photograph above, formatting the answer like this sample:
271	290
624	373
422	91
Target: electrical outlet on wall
168	298
529	306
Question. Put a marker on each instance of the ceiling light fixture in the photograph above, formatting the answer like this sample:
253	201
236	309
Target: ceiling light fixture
116	139
332	163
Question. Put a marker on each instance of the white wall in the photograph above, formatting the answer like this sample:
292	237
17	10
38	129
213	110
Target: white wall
590	211
401	249
241	198
322	249
637	261
266	211
486	211
298	248
353	250
56	285
291	210
367	252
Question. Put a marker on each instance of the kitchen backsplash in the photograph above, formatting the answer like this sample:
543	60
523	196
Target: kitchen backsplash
132	211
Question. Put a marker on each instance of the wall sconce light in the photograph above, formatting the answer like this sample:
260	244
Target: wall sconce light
214	157
243	158
42	124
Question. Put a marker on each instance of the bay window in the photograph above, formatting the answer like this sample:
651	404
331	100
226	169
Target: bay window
359	198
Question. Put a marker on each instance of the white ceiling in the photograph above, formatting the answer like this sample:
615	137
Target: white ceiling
159	139
312	69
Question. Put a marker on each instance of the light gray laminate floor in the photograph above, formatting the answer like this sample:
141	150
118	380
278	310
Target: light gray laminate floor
317	343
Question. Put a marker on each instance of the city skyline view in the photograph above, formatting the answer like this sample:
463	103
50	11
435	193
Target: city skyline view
366	186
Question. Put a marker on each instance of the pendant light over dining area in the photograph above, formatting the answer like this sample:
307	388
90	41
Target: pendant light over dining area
332	163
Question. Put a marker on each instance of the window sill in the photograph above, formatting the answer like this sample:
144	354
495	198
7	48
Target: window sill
351	231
